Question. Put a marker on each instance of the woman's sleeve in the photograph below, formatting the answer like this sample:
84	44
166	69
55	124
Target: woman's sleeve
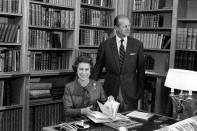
68	104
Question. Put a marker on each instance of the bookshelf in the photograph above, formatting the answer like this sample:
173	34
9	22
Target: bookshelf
13	80
39	41
96	25
152	23
13	100
186	30
51	35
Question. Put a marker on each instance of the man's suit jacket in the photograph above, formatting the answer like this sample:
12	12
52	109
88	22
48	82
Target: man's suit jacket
131	78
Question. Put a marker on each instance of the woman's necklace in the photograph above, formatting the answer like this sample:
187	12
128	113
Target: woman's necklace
83	83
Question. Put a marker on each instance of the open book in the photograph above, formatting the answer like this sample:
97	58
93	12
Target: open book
108	113
189	124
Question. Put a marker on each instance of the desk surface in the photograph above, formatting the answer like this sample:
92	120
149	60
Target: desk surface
156	122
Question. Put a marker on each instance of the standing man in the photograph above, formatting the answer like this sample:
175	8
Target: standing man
123	58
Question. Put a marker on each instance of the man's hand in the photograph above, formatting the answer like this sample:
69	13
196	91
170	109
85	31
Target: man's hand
110	98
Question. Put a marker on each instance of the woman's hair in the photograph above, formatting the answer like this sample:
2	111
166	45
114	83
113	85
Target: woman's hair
82	59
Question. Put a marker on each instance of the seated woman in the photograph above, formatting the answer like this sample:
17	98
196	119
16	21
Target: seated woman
82	94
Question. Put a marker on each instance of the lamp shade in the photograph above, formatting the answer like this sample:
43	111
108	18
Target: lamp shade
181	79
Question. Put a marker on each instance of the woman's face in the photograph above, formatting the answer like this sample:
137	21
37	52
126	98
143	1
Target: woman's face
83	71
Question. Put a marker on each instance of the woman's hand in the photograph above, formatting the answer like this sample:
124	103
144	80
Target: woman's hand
86	111
110	98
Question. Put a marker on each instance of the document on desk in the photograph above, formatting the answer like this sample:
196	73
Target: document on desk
140	115
108	113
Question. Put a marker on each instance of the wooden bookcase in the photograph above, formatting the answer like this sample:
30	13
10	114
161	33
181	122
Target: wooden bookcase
186	35
152	23
33	33
51	35
96	25
50	51
14	81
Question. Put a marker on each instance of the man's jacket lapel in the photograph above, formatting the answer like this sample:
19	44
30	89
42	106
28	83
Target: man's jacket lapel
115	52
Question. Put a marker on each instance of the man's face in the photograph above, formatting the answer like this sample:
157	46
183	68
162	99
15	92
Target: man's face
123	29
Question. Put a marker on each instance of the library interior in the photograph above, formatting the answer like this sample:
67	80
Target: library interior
41	39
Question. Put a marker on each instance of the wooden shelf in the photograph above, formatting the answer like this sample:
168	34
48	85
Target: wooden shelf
167	10
2	108
9	44
157	50
187	50
7	14
50	49
51	73
45	102
152	28
97	27
155	74
97	7
51	28
12	74
51	5
88	46
187	20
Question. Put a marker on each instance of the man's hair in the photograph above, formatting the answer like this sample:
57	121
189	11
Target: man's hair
116	19
82	59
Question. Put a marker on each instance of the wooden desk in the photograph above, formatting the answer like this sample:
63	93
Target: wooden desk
156	122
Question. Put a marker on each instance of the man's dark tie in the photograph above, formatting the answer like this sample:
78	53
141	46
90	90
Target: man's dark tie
121	53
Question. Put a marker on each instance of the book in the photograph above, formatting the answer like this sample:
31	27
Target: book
129	124
189	124
108	113
140	115
1	92
34	94
110	108
40	86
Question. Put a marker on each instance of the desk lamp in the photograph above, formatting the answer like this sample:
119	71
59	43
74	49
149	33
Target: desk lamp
182	80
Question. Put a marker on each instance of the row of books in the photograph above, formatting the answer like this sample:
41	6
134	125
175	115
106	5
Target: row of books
11	120
9	32
6	94
151	20
186	38
104	3
9	60
10	6
40	61
95	17
186	60
44	91
92	37
148	4
50	17
39	90
44	39
149	62
90	54
153	40
45	115
65	3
